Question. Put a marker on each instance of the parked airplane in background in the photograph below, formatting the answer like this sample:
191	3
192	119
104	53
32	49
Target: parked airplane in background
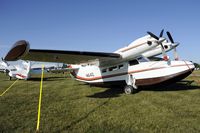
125	66
27	69
2	68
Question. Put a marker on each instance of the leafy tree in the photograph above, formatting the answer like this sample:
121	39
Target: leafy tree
196	65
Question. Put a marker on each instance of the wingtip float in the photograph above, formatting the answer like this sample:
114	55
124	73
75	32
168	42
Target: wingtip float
19	49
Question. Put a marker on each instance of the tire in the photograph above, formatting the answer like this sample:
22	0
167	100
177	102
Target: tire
128	89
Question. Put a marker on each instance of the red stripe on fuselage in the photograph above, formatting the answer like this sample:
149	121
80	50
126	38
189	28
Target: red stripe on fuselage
20	75
124	73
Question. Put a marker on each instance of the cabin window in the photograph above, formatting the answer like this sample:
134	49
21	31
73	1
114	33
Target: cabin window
121	66
104	70
142	59
133	62
84	65
113	68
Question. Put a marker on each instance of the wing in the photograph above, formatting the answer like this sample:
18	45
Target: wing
21	50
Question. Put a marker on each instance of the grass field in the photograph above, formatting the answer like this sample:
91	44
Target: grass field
71	106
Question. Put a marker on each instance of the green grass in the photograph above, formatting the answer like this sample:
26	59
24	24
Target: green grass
71	106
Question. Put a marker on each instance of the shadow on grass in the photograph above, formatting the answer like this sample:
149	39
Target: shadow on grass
111	92
47	79
85	116
108	93
39	79
179	86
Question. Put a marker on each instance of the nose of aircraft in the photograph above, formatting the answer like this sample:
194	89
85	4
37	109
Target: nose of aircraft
174	45
190	65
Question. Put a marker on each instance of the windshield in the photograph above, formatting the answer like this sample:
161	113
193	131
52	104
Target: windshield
142	59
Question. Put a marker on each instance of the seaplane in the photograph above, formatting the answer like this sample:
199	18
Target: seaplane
26	69
17	71
128	66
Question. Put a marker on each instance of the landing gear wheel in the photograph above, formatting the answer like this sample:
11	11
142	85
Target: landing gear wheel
128	89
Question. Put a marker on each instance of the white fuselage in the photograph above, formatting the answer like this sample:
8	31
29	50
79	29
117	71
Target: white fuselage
133	69
144	73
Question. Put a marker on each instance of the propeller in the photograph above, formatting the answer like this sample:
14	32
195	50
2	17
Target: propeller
174	45
2	59
153	35
4	63
161	33
175	54
160	39
170	37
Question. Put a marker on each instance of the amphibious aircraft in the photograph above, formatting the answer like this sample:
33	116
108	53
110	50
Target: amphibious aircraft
16	71
2	67
26	69
125	66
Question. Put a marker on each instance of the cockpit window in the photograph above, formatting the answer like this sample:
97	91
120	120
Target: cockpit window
104	70
113	68
133	62
121	66
142	59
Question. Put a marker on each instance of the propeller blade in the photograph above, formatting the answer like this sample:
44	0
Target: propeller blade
175	45
161	33
153	35
175	54
163	52
165	57
7	71
161	40
170	37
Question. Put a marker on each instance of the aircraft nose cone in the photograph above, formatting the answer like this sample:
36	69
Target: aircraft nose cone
193	66
174	45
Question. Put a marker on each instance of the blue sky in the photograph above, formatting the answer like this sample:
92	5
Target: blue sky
98	25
